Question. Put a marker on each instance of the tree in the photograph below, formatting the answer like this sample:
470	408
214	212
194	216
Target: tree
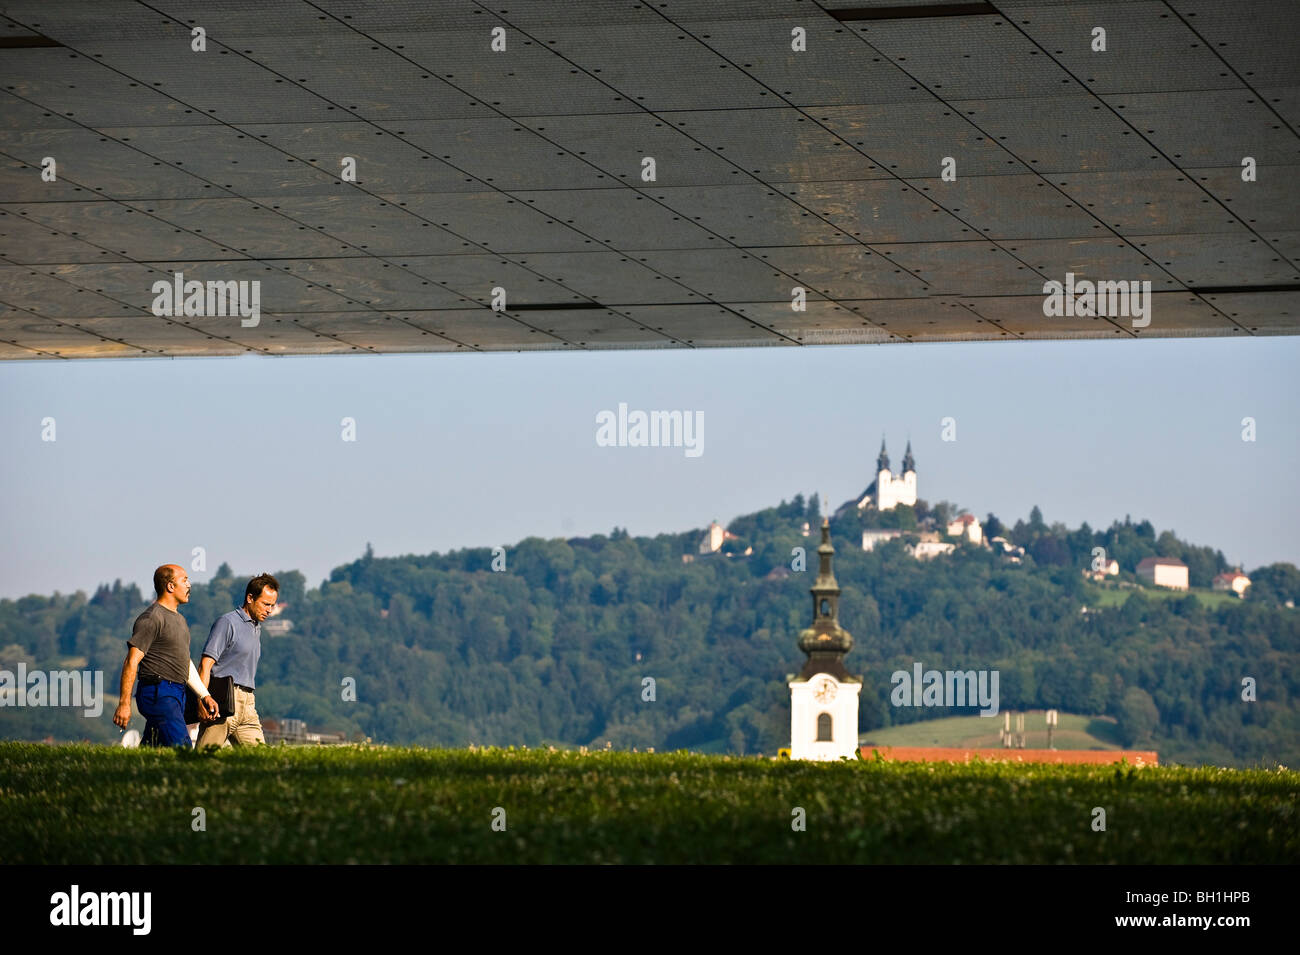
906	517
1050	551
1274	584
1138	716
1036	525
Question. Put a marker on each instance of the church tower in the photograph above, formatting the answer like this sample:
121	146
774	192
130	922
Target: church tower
907	494
824	696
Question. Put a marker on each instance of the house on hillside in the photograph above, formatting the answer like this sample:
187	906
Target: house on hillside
1163	572
1233	580
714	538
930	545
967	526
925	544
870	538
1009	550
1109	569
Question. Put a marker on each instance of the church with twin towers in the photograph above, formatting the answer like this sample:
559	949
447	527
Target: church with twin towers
888	490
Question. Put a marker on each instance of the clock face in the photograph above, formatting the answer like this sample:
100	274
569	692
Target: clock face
825	691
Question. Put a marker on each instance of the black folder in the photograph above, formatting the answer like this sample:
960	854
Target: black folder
221	689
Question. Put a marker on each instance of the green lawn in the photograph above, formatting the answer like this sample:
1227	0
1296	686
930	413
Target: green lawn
1109	596
89	804
1072	732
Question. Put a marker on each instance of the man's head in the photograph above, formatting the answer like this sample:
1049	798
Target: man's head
171	581
260	596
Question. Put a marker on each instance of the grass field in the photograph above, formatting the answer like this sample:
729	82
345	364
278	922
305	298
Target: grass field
88	804
1111	596
1072	732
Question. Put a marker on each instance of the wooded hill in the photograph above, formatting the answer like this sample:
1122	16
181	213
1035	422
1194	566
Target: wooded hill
556	648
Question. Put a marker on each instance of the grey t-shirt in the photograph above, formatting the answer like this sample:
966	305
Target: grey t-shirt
164	636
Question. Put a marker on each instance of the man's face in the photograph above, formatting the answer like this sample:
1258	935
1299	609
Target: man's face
259	608
180	586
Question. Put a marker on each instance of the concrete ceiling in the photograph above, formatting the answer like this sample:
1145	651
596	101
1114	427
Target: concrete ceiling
522	170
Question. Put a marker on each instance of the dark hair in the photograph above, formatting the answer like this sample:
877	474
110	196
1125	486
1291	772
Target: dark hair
163	576
256	585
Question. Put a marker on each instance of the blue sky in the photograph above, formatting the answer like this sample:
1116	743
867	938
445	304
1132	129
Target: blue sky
243	456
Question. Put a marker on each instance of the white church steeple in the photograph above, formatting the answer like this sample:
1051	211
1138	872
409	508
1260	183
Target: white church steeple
824	696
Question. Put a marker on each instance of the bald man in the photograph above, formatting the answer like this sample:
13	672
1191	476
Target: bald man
159	649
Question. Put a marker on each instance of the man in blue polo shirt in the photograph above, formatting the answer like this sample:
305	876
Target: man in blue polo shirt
234	646
159	651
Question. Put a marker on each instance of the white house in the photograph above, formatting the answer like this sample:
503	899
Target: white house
967	526
1163	572
1009	550
1233	580
1109	569
714	538
925	549
870	538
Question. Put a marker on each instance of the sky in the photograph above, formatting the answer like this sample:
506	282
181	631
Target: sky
246	458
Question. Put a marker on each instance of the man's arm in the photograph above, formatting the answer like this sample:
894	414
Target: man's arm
206	703
205	674
219	637
129	667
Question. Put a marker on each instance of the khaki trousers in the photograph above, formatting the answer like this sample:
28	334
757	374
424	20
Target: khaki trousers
243	728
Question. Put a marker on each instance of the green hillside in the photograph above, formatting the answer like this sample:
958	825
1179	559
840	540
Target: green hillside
1109	595
557	646
1072	732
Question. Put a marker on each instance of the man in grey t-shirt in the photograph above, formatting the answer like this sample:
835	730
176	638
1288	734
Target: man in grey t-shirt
159	650
234	646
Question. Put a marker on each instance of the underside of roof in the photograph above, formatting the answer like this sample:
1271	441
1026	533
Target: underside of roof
458	176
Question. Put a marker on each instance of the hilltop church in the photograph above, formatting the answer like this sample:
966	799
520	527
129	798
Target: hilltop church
886	491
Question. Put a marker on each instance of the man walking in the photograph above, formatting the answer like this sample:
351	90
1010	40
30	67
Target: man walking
234	646
159	650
